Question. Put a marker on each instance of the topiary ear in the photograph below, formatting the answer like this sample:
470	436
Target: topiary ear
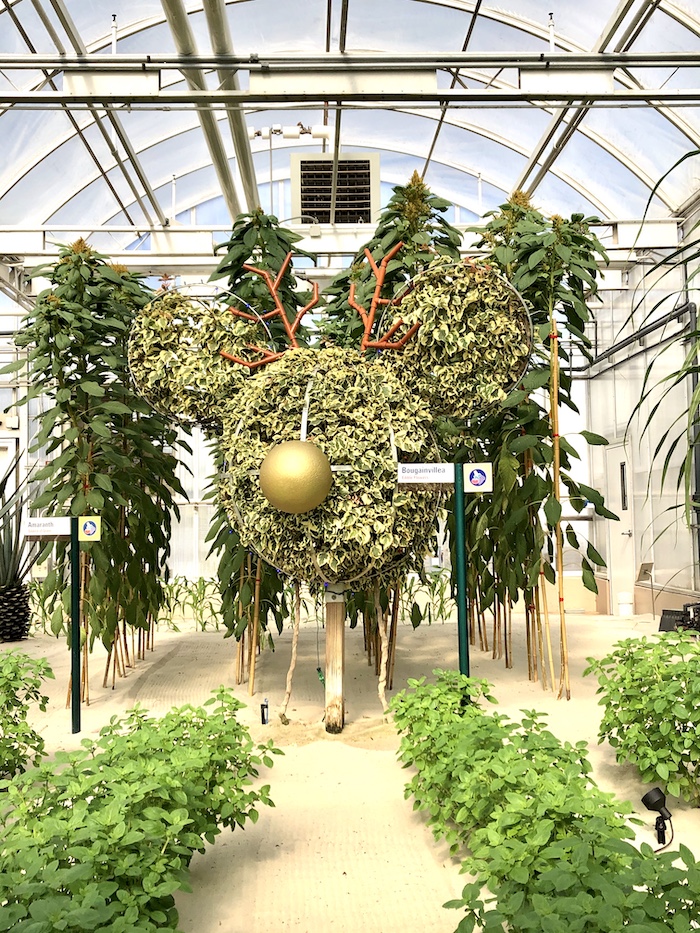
474	341
175	357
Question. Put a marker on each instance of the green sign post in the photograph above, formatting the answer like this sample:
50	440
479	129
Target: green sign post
75	624
479	478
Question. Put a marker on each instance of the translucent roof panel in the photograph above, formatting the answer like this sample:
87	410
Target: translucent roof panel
595	132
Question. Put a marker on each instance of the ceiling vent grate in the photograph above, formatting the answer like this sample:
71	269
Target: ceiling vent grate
357	192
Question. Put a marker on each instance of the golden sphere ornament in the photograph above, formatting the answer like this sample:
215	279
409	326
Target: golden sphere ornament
295	477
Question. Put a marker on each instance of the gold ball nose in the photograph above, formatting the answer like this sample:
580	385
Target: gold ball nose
295	477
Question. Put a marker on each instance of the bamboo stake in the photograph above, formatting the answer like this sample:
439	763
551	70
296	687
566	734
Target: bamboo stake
384	642
256	623
547	628
564	681
295	645
393	632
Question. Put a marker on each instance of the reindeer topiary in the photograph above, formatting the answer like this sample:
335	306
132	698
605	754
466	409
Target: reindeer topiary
463	339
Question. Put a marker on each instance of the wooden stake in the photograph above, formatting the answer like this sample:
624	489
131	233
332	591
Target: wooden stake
547	629
335	660
256	624
393	632
295	645
384	650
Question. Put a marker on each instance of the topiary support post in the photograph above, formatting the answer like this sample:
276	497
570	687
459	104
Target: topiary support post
335	658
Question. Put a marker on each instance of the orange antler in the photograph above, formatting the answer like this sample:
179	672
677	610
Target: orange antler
269	356
385	342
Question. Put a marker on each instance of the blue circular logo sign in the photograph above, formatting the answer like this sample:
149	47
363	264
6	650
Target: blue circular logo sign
89	528
477	477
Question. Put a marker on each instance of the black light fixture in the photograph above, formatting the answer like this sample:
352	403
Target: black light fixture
655	799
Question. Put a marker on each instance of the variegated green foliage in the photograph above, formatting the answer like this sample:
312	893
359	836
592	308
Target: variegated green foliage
175	359
474	339
362	419
414	217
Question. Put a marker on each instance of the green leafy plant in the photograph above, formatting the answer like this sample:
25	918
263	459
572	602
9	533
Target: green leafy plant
516	535
102	839
21	680
548	850
414	216
110	453
650	690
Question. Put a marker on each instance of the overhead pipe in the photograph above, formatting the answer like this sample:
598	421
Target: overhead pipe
673	315
222	44
179	24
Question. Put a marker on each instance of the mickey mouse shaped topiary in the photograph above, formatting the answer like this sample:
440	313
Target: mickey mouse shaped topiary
463	339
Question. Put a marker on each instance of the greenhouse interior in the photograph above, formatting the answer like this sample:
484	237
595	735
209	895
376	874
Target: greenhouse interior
349	466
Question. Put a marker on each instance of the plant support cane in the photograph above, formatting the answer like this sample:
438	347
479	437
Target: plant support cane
335	658
564	682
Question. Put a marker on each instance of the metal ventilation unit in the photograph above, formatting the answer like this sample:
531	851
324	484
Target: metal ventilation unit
356	193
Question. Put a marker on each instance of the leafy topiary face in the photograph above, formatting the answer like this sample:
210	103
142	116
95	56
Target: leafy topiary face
358	414
463	339
175	361
474	339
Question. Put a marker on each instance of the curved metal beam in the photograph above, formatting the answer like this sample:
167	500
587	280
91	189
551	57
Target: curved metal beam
179	24
221	44
77	43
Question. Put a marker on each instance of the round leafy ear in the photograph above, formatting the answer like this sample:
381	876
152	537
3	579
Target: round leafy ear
472	337
175	356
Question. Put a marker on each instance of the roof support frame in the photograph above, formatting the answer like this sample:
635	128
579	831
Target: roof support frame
183	37
78	45
221	44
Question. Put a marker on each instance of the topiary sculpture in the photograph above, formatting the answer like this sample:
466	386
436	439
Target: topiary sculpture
365	412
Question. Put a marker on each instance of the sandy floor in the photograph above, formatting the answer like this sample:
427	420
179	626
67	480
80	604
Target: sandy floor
342	850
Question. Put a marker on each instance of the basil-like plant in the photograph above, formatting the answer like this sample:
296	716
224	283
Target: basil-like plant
650	690
103	838
549	847
21	678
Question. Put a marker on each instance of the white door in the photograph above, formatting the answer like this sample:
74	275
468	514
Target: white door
621	558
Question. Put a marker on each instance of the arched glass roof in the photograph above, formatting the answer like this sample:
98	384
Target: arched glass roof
134	113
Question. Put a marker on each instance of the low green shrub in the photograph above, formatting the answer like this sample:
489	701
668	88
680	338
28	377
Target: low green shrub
21	678
102	839
650	689
549	847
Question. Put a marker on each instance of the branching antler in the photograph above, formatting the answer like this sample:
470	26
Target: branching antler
269	356
385	342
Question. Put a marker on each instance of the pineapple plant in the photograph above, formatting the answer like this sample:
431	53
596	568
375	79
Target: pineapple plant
17	556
